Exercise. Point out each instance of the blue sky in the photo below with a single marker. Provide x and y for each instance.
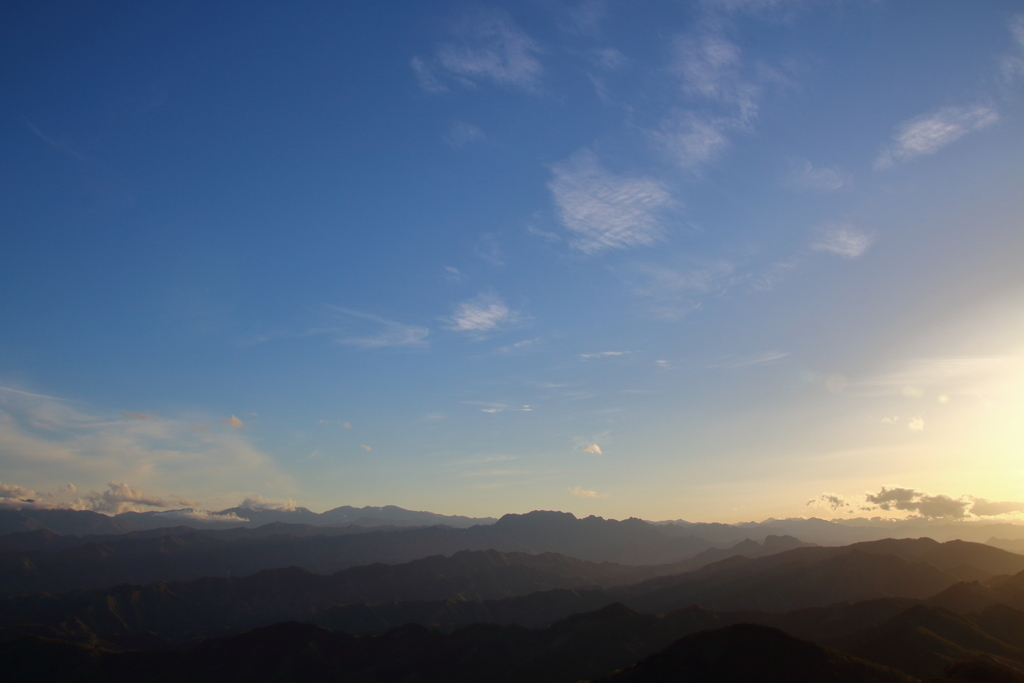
(702, 260)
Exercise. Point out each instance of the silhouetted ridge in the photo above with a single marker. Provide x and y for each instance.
(748, 652)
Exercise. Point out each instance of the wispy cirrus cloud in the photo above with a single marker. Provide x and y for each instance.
(341, 325)
(31, 395)
(689, 139)
(709, 67)
(1012, 63)
(806, 177)
(753, 359)
(928, 133)
(607, 211)
(677, 291)
(936, 377)
(610, 58)
(603, 354)
(750, 6)
(387, 332)
(482, 315)
(486, 45)
(493, 408)
(56, 144)
(462, 135)
(581, 492)
(583, 17)
(843, 239)
(523, 346)
(720, 94)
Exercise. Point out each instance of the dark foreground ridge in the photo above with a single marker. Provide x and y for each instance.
(580, 648)
(614, 644)
(747, 652)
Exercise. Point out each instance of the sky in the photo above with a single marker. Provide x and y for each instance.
(718, 260)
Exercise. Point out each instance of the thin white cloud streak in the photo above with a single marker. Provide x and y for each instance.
(662, 282)
(928, 133)
(392, 334)
(56, 144)
(603, 354)
(675, 292)
(772, 275)
(485, 313)
(493, 408)
(483, 459)
(1012, 63)
(749, 6)
(843, 239)
(969, 375)
(489, 249)
(520, 347)
(259, 503)
(757, 359)
(428, 82)
(607, 211)
(462, 135)
(26, 393)
(584, 19)
(581, 492)
(611, 59)
(494, 473)
(804, 176)
(487, 45)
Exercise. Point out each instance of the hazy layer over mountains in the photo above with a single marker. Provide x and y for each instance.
(542, 596)
(88, 522)
(813, 530)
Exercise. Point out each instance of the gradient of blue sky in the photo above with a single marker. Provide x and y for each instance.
(427, 254)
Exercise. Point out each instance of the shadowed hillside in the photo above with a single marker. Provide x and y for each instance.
(45, 563)
(208, 606)
(746, 652)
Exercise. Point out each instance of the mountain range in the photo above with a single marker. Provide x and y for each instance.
(43, 561)
(814, 530)
(543, 596)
